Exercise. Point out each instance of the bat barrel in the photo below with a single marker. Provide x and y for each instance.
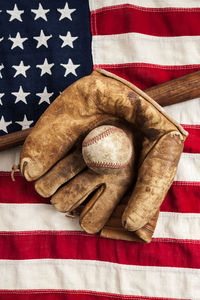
(177, 90)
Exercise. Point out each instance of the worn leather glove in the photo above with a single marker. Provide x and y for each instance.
(112, 188)
(82, 183)
(103, 98)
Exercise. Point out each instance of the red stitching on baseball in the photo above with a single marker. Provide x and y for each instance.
(100, 136)
(108, 165)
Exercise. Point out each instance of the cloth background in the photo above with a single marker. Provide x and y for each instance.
(43, 254)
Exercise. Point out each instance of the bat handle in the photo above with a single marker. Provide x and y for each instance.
(14, 139)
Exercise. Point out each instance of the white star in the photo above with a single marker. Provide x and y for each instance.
(25, 123)
(65, 12)
(45, 68)
(1, 67)
(21, 69)
(4, 124)
(67, 40)
(40, 12)
(17, 41)
(1, 95)
(15, 13)
(1, 39)
(42, 39)
(70, 68)
(44, 96)
(21, 95)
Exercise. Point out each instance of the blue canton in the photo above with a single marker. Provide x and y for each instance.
(45, 46)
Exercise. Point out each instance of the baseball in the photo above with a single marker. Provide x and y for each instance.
(107, 149)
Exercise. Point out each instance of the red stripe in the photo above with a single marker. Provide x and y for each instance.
(147, 75)
(160, 22)
(192, 143)
(182, 197)
(19, 191)
(69, 295)
(77, 245)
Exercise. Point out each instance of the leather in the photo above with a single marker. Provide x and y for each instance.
(114, 229)
(51, 155)
(107, 190)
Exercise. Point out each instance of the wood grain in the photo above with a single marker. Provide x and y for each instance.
(14, 139)
(177, 90)
(174, 91)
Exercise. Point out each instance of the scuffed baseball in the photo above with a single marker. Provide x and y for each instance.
(107, 149)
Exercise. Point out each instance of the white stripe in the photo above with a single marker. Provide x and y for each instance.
(34, 217)
(28, 217)
(188, 168)
(142, 48)
(178, 226)
(100, 276)
(187, 112)
(8, 158)
(97, 4)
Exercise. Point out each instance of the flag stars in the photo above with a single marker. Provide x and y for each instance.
(40, 12)
(17, 41)
(67, 40)
(1, 67)
(15, 14)
(44, 96)
(70, 68)
(21, 69)
(20, 95)
(42, 39)
(25, 123)
(66, 12)
(4, 124)
(1, 95)
(45, 67)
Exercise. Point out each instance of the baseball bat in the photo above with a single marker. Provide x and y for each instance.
(173, 91)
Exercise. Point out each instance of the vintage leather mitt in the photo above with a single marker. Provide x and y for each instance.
(50, 154)
(109, 189)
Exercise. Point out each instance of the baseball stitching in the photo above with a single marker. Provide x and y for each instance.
(107, 165)
(100, 136)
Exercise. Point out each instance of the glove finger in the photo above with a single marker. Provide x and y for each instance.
(114, 229)
(71, 195)
(102, 191)
(37, 157)
(100, 207)
(146, 232)
(98, 210)
(59, 174)
(154, 179)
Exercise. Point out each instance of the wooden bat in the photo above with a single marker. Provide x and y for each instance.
(174, 91)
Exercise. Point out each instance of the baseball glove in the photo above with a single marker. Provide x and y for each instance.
(50, 152)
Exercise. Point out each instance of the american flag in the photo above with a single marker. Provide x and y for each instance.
(45, 46)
